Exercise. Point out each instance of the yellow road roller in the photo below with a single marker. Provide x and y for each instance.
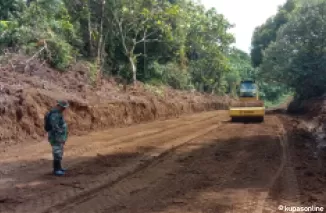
(248, 106)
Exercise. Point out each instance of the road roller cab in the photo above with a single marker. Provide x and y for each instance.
(248, 105)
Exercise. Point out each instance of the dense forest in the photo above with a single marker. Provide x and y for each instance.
(289, 49)
(177, 43)
(172, 42)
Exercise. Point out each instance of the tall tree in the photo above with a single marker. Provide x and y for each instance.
(297, 57)
(175, 42)
(265, 34)
(138, 22)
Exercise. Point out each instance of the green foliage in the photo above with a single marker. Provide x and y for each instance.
(60, 54)
(240, 69)
(191, 41)
(297, 57)
(10, 9)
(272, 92)
(288, 51)
(203, 43)
(176, 43)
(265, 34)
(170, 74)
(45, 22)
(280, 100)
(92, 72)
(158, 90)
(7, 29)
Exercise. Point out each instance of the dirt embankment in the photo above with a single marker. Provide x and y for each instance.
(311, 118)
(308, 158)
(28, 91)
(306, 128)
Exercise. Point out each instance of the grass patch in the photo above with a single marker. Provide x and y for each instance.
(155, 89)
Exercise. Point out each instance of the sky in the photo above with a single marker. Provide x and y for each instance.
(246, 15)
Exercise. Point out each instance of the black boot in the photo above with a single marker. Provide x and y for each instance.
(56, 168)
(55, 165)
(62, 169)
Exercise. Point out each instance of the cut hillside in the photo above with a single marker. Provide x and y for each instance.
(309, 121)
(29, 89)
(312, 110)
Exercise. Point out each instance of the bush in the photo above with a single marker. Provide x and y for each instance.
(43, 32)
(171, 74)
(155, 82)
(61, 54)
(156, 90)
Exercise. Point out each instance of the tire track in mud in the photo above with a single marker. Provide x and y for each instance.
(166, 139)
(264, 195)
(140, 136)
(112, 133)
(159, 157)
(135, 191)
(173, 173)
(254, 199)
(284, 174)
(112, 139)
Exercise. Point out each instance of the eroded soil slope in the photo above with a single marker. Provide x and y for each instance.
(28, 90)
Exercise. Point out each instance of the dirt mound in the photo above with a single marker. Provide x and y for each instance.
(28, 89)
(313, 113)
(311, 107)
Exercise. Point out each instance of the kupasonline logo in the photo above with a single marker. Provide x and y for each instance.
(300, 209)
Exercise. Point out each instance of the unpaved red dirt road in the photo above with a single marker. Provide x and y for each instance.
(200, 163)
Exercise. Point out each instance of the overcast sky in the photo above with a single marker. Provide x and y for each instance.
(246, 15)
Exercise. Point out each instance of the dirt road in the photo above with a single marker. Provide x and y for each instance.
(198, 164)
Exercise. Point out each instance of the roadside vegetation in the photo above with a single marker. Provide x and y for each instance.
(174, 43)
(289, 50)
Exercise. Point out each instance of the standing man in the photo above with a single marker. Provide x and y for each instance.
(57, 130)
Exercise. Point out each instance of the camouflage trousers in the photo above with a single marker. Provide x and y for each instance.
(57, 151)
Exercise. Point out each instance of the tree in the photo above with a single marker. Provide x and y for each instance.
(9, 9)
(240, 69)
(207, 42)
(138, 22)
(297, 57)
(265, 34)
(51, 28)
(175, 42)
(28, 2)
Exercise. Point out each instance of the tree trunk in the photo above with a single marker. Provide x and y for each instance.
(214, 87)
(145, 68)
(201, 87)
(99, 45)
(125, 85)
(100, 40)
(90, 46)
(133, 69)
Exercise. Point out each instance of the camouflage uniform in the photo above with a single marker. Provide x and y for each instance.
(58, 134)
